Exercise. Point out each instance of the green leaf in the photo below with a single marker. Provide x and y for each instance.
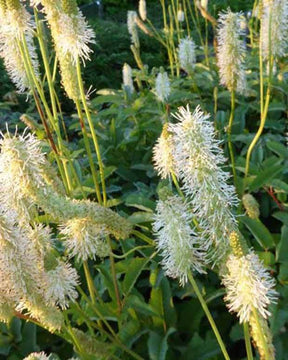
(278, 148)
(267, 257)
(158, 346)
(282, 247)
(259, 231)
(279, 185)
(282, 216)
(136, 265)
(140, 201)
(202, 349)
(265, 176)
(139, 217)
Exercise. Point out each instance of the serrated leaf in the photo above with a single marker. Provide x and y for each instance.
(259, 231)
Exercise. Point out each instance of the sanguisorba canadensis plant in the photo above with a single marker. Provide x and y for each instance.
(198, 226)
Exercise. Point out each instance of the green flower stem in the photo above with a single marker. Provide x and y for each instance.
(54, 99)
(114, 340)
(88, 150)
(175, 13)
(197, 25)
(156, 34)
(93, 133)
(71, 333)
(131, 251)
(247, 341)
(229, 131)
(143, 237)
(98, 313)
(90, 282)
(28, 68)
(208, 314)
(114, 277)
(263, 107)
(186, 17)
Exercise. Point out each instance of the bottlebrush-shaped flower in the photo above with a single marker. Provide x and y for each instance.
(163, 154)
(249, 286)
(127, 79)
(162, 86)
(231, 51)
(16, 35)
(178, 243)
(198, 161)
(274, 28)
(186, 54)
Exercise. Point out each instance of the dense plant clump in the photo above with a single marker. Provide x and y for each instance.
(126, 220)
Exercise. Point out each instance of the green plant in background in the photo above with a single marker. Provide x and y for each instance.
(112, 299)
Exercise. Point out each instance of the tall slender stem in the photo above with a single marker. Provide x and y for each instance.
(229, 131)
(93, 133)
(88, 150)
(90, 282)
(247, 341)
(209, 316)
(114, 277)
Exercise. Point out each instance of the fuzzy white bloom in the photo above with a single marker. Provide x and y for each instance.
(61, 283)
(186, 54)
(85, 239)
(231, 51)
(274, 28)
(22, 272)
(15, 26)
(178, 243)
(132, 27)
(127, 78)
(162, 86)
(74, 36)
(180, 15)
(37, 356)
(198, 159)
(142, 9)
(162, 154)
(249, 286)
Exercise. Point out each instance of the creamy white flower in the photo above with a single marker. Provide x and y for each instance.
(60, 285)
(249, 286)
(186, 54)
(37, 356)
(231, 51)
(180, 246)
(132, 27)
(162, 86)
(16, 31)
(74, 36)
(198, 159)
(85, 239)
(274, 28)
(127, 78)
(142, 9)
(162, 154)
